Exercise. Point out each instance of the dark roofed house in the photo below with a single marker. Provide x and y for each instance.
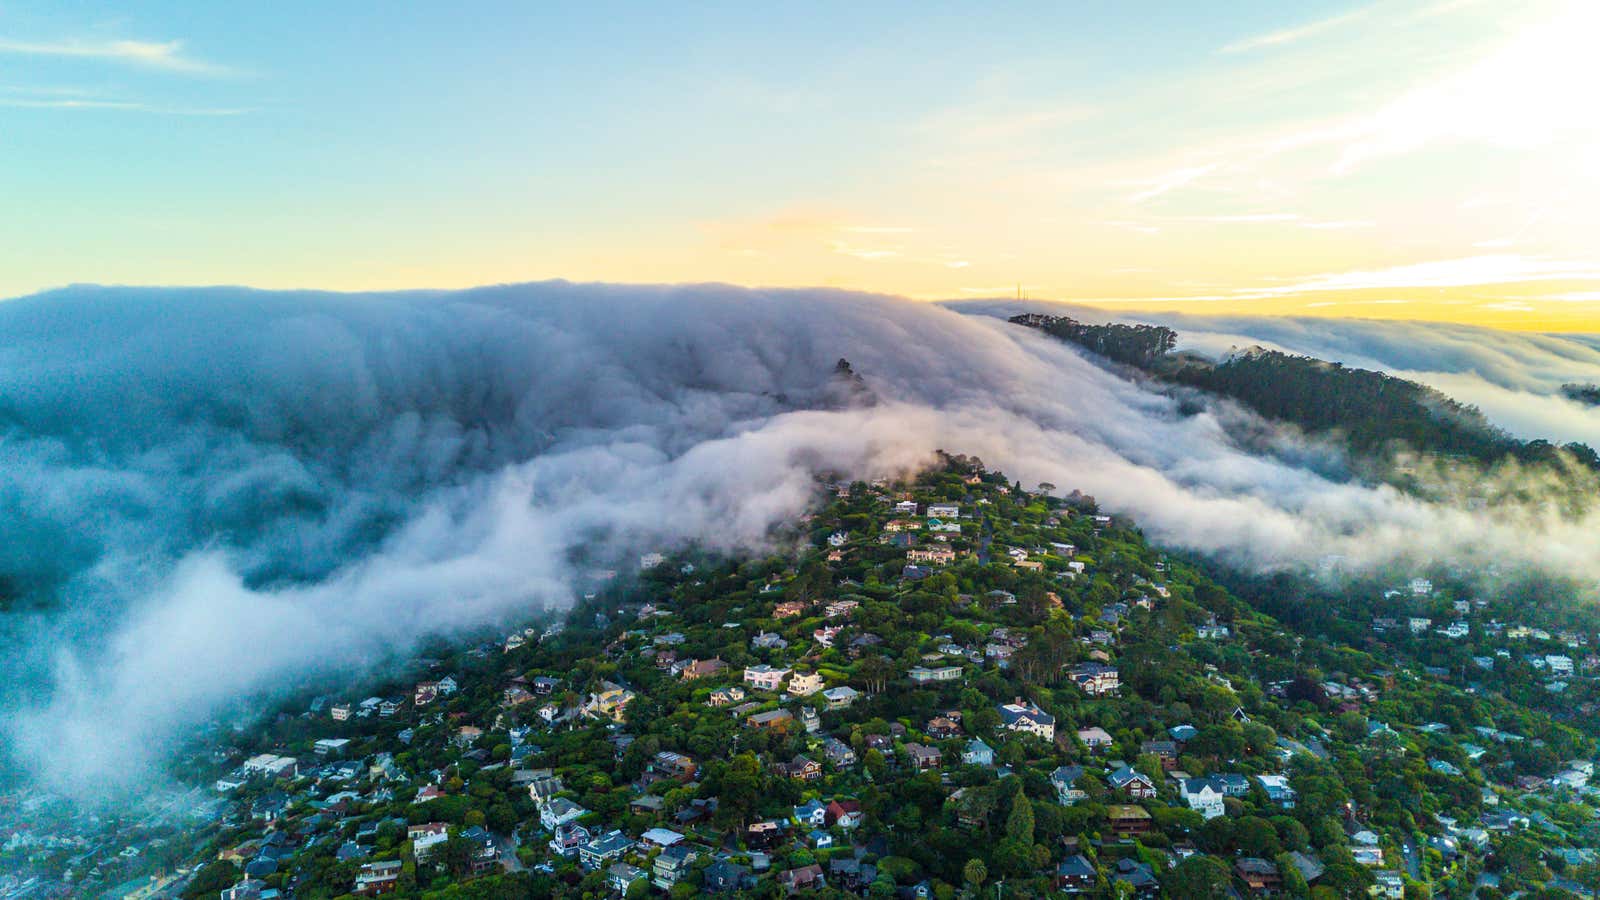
(801, 768)
(1132, 782)
(804, 878)
(723, 877)
(924, 757)
(845, 873)
(1075, 875)
(774, 720)
(1260, 875)
(1139, 876)
(1166, 751)
(1128, 820)
(603, 850)
(621, 876)
(838, 753)
(1310, 867)
(671, 865)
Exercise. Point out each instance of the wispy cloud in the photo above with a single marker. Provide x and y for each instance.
(1296, 33)
(45, 97)
(1245, 218)
(1465, 272)
(1570, 297)
(118, 106)
(1171, 181)
(164, 55)
(1337, 224)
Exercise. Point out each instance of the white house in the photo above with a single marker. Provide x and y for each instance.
(1201, 796)
(922, 675)
(1025, 717)
(804, 684)
(841, 697)
(559, 812)
(1278, 789)
(764, 677)
(1095, 738)
(1096, 679)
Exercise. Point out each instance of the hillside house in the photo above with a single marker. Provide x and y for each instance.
(841, 697)
(1025, 717)
(764, 677)
(923, 757)
(1128, 821)
(726, 696)
(774, 720)
(1202, 796)
(1065, 781)
(921, 675)
(1097, 739)
(703, 668)
(1095, 679)
(977, 753)
(804, 684)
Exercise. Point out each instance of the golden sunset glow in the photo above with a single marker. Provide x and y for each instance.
(1436, 159)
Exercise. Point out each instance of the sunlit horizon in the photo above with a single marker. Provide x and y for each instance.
(1433, 160)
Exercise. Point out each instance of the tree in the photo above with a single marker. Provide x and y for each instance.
(501, 818)
(1019, 824)
(874, 673)
(741, 790)
(1256, 837)
(975, 873)
(1197, 878)
(212, 879)
(1294, 883)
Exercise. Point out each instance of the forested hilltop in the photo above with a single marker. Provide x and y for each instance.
(1374, 414)
(946, 686)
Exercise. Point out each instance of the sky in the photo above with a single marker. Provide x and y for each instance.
(1433, 159)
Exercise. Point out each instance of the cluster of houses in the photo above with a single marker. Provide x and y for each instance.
(790, 686)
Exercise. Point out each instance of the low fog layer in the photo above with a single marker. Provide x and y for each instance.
(224, 491)
(1515, 378)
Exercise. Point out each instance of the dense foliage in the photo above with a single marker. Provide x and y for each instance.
(1375, 414)
(1135, 345)
(902, 770)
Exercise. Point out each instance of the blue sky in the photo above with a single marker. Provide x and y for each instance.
(1158, 153)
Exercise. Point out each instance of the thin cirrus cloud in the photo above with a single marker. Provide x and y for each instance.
(168, 56)
(1291, 35)
(1504, 268)
(135, 106)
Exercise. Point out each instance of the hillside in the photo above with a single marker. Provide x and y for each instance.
(951, 684)
(1377, 416)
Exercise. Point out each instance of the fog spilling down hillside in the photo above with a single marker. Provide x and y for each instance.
(208, 494)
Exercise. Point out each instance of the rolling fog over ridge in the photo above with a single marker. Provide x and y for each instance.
(218, 490)
(1514, 377)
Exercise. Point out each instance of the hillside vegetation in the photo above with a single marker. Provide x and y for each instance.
(1374, 414)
